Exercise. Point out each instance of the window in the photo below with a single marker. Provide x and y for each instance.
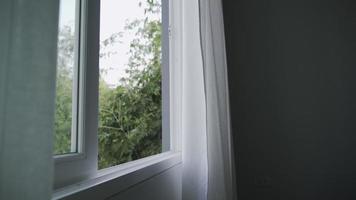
(65, 138)
(113, 85)
(130, 92)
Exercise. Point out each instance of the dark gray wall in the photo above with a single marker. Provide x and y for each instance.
(292, 68)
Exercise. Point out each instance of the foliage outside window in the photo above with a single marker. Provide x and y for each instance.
(130, 115)
(65, 75)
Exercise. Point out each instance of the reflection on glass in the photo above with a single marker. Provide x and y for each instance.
(64, 142)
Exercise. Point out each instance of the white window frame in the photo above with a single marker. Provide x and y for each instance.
(73, 167)
(77, 172)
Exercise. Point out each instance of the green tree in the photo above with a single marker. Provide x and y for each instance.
(130, 115)
(63, 113)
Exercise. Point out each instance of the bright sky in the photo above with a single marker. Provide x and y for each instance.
(67, 13)
(113, 18)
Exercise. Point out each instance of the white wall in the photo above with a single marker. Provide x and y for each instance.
(164, 186)
(158, 181)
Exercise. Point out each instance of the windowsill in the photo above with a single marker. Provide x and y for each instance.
(113, 180)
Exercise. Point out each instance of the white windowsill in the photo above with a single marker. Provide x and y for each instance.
(113, 180)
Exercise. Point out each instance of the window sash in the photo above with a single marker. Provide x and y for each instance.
(82, 165)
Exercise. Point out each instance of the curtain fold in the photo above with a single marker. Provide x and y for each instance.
(208, 165)
(221, 176)
(28, 43)
(194, 181)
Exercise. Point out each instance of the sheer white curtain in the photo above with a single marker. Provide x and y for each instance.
(221, 179)
(28, 40)
(208, 165)
(194, 181)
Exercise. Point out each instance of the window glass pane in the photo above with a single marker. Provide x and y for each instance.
(130, 113)
(65, 114)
